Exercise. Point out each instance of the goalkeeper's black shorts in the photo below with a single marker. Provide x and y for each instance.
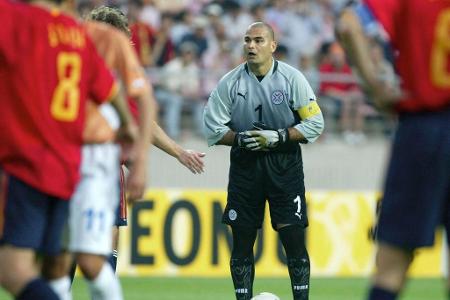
(255, 177)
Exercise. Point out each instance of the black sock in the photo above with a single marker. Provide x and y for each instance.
(293, 240)
(37, 289)
(242, 264)
(112, 260)
(243, 273)
(299, 272)
(377, 293)
(73, 270)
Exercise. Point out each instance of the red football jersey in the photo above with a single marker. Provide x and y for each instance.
(420, 31)
(48, 68)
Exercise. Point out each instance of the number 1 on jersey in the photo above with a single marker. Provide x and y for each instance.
(259, 110)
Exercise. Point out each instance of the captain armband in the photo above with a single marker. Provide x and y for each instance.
(310, 110)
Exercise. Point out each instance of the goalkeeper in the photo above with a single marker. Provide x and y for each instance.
(263, 109)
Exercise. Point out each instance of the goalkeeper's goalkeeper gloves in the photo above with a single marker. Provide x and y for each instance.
(268, 138)
(245, 141)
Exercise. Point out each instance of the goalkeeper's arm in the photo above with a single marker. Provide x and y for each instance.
(306, 131)
(296, 136)
(267, 138)
(228, 138)
(239, 139)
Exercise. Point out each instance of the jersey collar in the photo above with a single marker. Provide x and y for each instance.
(271, 71)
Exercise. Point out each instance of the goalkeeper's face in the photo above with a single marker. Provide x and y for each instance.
(259, 45)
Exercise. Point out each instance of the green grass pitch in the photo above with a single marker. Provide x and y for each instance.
(147, 288)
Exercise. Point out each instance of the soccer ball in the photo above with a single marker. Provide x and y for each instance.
(266, 296)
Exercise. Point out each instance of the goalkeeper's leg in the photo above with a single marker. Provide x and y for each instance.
(242, 263)
(293, 239)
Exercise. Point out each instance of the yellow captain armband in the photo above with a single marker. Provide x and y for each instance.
(310, 110)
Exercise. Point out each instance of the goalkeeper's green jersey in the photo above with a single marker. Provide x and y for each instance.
(282, 99)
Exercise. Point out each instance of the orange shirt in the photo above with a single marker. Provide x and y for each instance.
(119, 55)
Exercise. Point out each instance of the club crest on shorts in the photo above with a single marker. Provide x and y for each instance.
(277, 97)
(232, 214)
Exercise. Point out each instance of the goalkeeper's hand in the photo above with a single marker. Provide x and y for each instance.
(245, 141)
(267, 138)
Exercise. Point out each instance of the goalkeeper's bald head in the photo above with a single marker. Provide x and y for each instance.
(265, 26)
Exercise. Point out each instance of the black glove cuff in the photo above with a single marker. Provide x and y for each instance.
(283, 136)
(236, 140)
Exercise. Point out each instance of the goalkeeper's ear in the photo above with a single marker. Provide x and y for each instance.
(261, 126)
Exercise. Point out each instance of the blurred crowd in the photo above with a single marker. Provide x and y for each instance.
(188, 45)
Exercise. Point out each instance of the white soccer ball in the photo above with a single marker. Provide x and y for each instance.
(266, 296)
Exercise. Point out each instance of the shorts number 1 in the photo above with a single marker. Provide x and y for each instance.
(299, 207)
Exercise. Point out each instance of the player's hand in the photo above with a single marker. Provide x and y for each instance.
(245, 141)
(192, 160)
(264, 139)
(268, 138)
(136, 180)
(387, 96)
(127, 134)
(126, 137)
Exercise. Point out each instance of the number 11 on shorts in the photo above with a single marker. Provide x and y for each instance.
(298, 213)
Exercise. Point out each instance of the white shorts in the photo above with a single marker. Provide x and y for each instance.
(93, 205)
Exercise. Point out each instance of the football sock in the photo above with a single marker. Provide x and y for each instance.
(37, 289)
(73, 270)
(242, 265)
(243, 273)
(61, 287)
(299, 272)
(106, 286)
(293, 240)
(112, 259)
(377, 293)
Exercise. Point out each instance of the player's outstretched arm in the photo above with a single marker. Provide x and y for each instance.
(191, 159)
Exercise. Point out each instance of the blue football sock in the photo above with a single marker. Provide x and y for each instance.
(377, 293)
(37, 289)
(112, 260)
